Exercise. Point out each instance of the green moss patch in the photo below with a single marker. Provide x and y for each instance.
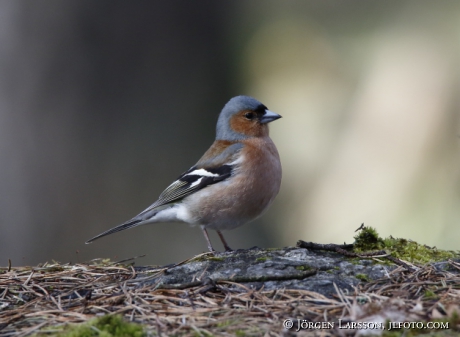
(368, 240)
(105, 326)
(362, 277)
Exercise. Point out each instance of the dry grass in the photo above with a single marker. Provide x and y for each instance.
(50, 296)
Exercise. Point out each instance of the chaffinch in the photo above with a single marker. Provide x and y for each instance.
(234, 182)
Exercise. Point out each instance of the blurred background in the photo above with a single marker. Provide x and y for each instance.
(103, 104)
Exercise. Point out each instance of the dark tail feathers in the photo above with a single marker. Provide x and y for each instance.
(126, 225)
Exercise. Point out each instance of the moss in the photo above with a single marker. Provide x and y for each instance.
(362, 277)
(262, 259)
(206, 257)
(214, 258)
(105, 326)
(271, 249)
(429, 294)
(303, 268)
(408, 250)
(368, 239)
(357, 261)
(414, 252)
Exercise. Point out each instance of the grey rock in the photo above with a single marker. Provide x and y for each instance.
(290, 268)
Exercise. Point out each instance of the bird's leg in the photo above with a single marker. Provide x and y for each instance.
(206, 236)
(226, 246)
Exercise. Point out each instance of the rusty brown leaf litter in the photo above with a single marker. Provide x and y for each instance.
(41, 300)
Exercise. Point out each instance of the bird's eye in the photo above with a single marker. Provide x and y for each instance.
(249, 115)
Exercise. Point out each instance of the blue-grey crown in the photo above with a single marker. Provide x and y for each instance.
(233, 106)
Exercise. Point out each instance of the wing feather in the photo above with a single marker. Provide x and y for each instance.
(190, 182)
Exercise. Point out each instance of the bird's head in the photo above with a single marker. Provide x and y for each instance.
(243, 117)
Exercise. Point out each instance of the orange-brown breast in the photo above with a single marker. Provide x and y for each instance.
(256, 183)
(264, 173)
(245, 195)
